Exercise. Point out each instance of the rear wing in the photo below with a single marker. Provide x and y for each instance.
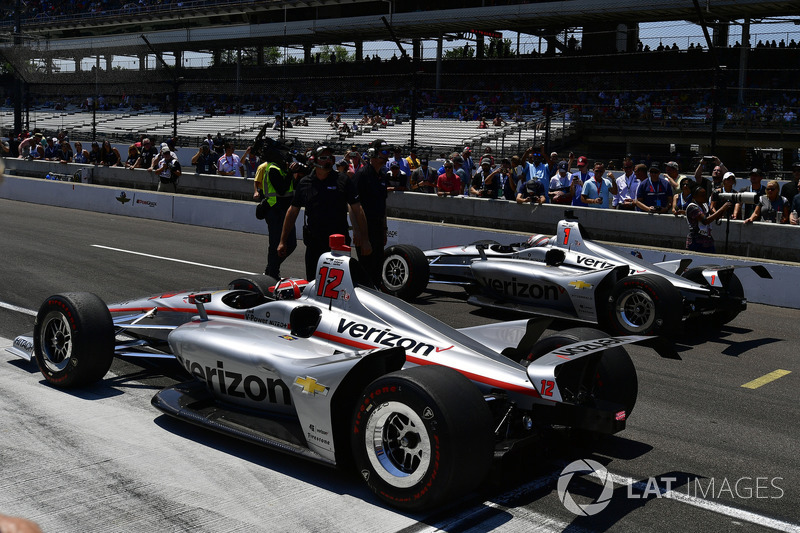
(543, 371)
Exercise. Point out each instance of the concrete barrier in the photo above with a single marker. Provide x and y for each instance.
(189, 182)
(759, 240)
(240, 216)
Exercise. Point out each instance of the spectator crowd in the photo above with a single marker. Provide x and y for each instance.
(534, 177)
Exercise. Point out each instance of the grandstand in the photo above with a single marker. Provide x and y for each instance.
(433, 135)
(604, 95)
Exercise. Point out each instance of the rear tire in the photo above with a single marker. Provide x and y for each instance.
(422, 437)
(615, 377)
(73, 339)
(404, 272)
(644, 304)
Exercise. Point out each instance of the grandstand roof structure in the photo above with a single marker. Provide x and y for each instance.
(208, 25)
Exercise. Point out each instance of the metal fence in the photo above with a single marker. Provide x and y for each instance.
(666, 103)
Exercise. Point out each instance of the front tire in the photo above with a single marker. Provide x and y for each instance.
(404, 272)
(73, 339)
(422, 436)
(644, 305)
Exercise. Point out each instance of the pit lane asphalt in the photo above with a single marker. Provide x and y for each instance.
(102, 459)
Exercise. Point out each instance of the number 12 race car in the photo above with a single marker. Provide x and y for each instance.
(342, 374)
(569, 276)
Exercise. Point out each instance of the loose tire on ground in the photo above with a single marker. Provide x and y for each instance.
(404, 272)
(260, 283)
(73, 339)
(615, 377)
(422, 436)
(734, 288)
(644, 304)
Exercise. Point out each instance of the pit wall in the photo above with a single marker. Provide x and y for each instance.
(240, 216)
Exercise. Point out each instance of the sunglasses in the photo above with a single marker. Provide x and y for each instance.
(772, 188)
(448, 166)
(324, 157)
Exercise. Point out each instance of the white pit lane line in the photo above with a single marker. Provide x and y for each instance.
(173, 259)
(18, 309)
(708, 505)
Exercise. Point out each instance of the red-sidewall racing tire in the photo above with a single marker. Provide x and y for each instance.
(73, 339)
(404, 272)
(422, 436)
(643, 304)
(734, 288)
(615, 379)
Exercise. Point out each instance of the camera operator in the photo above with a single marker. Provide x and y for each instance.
(756, 175)
(536, 165)
(168, 171)
(713, 166)
(700, 218)
(771, 207)
(204, 160)
(728, 181)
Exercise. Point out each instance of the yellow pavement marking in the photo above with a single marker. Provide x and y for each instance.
(763, 380)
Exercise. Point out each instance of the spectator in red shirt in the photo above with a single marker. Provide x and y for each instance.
(448, 184)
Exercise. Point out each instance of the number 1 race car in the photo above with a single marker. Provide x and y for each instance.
(342, 374)
(569, 276)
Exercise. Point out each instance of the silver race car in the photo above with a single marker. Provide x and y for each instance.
(342, 374)
(569, 276)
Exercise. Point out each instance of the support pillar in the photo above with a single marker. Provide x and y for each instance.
(439, 63)
(260, 55)
(109, 61)
(359, 50)
(744, 53)
(307, 53)
(78, 61)
(721, 34)
(416, 49)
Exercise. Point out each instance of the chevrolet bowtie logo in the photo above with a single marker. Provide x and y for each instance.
(581, 284)
(310, 386)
